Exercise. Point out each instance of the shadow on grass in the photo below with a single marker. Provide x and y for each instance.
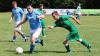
(36, 51)
(5, 41)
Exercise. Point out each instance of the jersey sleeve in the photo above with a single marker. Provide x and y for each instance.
(12, 12)
(21, 11)
(37, 12)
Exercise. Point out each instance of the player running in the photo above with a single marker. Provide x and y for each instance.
(78, 12)
(63, 21)
(33, 18)
(17, 14)
(42, 20)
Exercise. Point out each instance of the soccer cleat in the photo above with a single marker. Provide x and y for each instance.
(89, 47)
(30, 52)
(41, 42)
(68, 51)
(13, 41)
(25, 40)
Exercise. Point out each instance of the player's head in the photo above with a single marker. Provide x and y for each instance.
(30, 8)
(55, 15)
(14, 4)
(79, 4)
(41, 6)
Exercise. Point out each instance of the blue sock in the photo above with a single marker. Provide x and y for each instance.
(14, 38)
(38, 40)
(32, 46)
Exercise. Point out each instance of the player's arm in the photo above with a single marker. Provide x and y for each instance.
(22, 22)
(22, 13)
(74, 18)
(41, 16)
(11, 18)
(51, 27)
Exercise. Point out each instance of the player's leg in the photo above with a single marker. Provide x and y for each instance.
(78, 16)
(43, 27)
(83, 42)
(18, 29)
(14, 36)
(34, 36)
(66, 45)
(32, 45)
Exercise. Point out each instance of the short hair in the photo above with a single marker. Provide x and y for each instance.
(40, 5)
(14, 2)
(55, 12)
(29, 5)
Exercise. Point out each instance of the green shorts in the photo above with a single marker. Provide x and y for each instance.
(43, 23)
(73, 36)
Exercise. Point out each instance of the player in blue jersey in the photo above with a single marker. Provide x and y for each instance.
(33, 18)
(78, 12)
(17, 14)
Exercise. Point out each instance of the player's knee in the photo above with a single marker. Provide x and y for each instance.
(65, 41)
(33, 39)
(80, 40)
(16, 29)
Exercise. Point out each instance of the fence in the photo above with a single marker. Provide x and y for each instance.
(84, 12)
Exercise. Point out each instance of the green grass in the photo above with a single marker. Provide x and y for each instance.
(89, 30)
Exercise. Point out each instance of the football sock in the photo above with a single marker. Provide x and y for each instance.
(14, 38)
(43, 32)
(23, 35)
(32, 46)
(38, 40)
(67, 48)
(85, 43)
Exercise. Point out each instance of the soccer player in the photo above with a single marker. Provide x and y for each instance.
(33, 18)
(68, 12)
(78, 12)
(17, 14)
(64, 22)
(42, 20)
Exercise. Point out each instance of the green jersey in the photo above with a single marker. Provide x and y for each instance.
(42, 20)
(41, 11)
(65, 23)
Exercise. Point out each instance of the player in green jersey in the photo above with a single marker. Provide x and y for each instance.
(42, 20)
(64, 22)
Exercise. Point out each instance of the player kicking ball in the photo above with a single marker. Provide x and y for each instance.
(33, 17)
(63, 21)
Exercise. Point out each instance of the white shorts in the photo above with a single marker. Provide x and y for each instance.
(35, 33)
(16, 23)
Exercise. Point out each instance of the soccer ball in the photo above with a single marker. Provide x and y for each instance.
(19, 50)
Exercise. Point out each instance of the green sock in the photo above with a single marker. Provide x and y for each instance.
(85, 43)
(43, 32)
(67, 48)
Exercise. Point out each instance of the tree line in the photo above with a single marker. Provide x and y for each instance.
(5, 5)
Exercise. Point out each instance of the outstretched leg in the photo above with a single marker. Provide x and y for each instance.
(85, 43)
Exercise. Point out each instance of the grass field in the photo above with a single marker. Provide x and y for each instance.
(89, 30)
